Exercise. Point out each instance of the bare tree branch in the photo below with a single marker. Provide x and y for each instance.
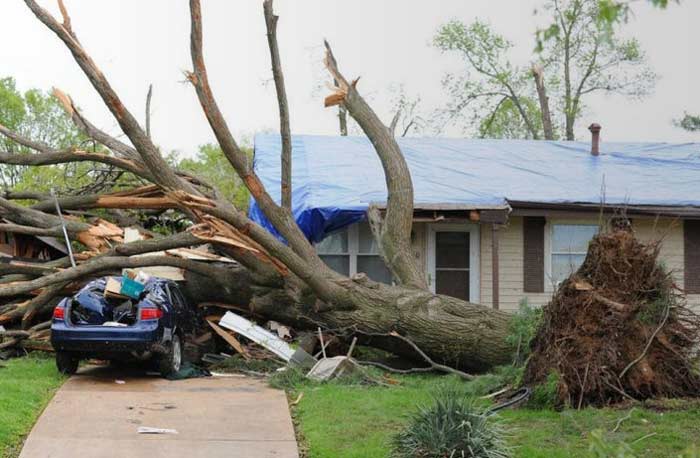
(286, 178)
(148, 110)
(538, 74)
(162, 173)
(396, 231)
(304, 261)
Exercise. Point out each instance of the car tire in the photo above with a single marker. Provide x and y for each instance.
(66, 363)
(171, 361)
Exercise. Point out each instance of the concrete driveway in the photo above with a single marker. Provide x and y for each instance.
(93, 416)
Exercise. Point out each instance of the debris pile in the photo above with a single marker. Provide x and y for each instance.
(617, 329)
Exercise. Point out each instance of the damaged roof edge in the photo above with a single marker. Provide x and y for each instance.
(524, 207)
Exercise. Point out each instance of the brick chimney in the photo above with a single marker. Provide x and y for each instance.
(595, 138)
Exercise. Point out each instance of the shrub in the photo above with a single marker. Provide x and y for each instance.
(288, 379)
(545, 395)
(522, 329)
(453, 426)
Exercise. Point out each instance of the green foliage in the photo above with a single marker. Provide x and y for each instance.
(611, 12)
(544, 396)
(489, 94)
(523, 328)
(506, 121)
(579, 56)
(689, 122)
(288, 380)
(490, 382)
(237, 363)
(40, 117)
(452, 426)
(211, 165)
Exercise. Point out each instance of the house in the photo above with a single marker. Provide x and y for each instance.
(495, 221)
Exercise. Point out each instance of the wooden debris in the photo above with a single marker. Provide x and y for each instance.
(230, 339)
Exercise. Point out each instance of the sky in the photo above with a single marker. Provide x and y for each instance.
(386, 42)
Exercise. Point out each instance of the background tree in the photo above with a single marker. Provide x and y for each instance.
(210, 164)
(613, 11)
(39, 115)
(490, 80)
(590, 58)
(577, 54)
(689, 122)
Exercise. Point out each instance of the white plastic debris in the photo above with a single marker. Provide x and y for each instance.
(257, 334)
(119, 382)
(149, 430)
(329, 368)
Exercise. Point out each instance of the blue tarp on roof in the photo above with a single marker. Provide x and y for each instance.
(334, 179)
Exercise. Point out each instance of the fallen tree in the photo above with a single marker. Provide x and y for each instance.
(287, 282)
(617, 329)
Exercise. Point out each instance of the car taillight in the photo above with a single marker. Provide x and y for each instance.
(59, 313)
(150, 314)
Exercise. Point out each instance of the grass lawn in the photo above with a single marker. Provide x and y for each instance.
(340, 421)
(26, 386)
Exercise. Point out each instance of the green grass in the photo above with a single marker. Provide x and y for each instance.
(26, 386)
(358, 421)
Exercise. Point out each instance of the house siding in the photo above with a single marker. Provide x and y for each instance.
(510, 268)
(511, 254)
(511, 259)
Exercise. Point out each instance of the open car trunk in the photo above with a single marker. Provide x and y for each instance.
(93, 307)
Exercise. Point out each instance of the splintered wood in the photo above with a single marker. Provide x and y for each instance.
(102, 236)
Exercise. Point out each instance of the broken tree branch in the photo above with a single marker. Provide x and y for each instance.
(162, 173)
(396, 234)
(433, 365)
(285, 132)
(649, 342)
(538, 74)
(148, 110)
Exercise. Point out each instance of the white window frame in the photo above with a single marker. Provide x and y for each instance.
(474, 255)
(353, 248)
(549, 286)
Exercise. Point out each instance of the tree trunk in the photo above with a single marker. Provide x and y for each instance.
(538, 74)
(457, 333)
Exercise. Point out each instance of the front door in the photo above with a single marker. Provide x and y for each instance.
(453, 267)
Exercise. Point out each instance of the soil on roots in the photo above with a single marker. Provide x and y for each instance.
(617, 329)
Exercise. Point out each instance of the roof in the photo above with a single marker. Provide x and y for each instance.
(336, 178)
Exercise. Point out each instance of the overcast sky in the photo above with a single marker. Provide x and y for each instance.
(137, 42)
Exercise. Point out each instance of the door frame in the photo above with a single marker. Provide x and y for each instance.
(474, 255)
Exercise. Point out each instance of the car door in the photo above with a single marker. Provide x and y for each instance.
(184, 313)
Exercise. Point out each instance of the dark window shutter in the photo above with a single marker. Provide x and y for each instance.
(691, 255)
(533, 254)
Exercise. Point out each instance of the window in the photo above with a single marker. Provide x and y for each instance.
(335, 252)
(354, 250)
(569, 244)
(369, 260)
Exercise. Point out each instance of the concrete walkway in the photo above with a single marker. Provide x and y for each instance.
(93, 416)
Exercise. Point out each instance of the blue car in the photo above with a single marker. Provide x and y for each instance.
(92, 324)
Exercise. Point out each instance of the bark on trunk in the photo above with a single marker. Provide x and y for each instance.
(457, 333)
(538, 74)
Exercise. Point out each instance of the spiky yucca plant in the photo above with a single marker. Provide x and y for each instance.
(451, 427)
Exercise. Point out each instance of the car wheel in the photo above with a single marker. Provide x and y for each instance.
(67, 363)
(171, 361)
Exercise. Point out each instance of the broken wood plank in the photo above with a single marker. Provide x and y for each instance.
(229, 339)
